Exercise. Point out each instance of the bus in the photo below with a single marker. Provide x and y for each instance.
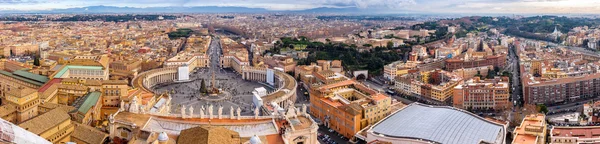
(390, 92)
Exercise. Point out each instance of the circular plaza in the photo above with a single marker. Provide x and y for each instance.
(232, 90)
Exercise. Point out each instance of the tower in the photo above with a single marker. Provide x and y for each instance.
(212, 81)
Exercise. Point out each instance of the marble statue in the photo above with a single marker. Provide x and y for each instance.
(220, 111)
(238, 113)
(182, 111)
(256, 112)
(122, 106)
(142, 109)
(133, 105)
(202, 112)
(210, 111)
(304, 108)
(191, 111)
(231, 112)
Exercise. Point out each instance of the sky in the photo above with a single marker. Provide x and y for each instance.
(431, 6)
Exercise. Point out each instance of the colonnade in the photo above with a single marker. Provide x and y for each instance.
(254, 76)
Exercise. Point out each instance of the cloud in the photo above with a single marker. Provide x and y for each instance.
(373, 3)
(437, 6)
(17, 1)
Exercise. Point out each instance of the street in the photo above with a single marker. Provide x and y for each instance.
(514, 69)
(404, 98)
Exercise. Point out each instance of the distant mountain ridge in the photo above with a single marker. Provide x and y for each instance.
(197, 9)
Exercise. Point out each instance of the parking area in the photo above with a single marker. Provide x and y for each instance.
(327, 136)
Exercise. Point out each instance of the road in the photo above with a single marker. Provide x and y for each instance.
(215, 54)
(514, 68)
(375, 85)
(301, 98)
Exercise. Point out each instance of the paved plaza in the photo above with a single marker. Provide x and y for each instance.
(239, 91)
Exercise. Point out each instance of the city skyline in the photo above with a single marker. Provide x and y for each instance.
(374, 6)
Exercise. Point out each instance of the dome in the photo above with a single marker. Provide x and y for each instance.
(255, 140)
(163, 136)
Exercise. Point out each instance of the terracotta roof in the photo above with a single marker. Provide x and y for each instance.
(378, 97)
(93, 82)
(73, 87)
(49, 105)
(337, 84)
(89, 134)
(47, 120)
(115, 82)
(331, 103)
(352, 108)
(138, 119)
(50, 83)
(208, 135)
(274, 139)
(7, 109)
(580, 132)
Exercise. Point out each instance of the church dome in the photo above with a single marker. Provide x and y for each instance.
(163, 136)
(255, 140)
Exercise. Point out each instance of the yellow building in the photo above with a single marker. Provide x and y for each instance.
(536, 67)
(425, 76)
(531, 131)
(25, 101)
(443, 92)
(54, 125)
(113, 91)
(68, 93)
(553, 73)
(347, 106)
(18, 79)
(398, 68)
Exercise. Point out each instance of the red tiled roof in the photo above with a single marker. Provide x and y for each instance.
(50, 83)
(581, 132)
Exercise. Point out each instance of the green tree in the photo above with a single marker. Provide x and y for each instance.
(390, 45)
(36, 61)
(367, 45)
(505, 73)
(203, 87)
(478, 74)
(542, 108)
(491, 74)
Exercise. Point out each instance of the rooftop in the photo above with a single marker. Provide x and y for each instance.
(521, 136)
(46, 121)
(32, 76)
(87, 102)
(7, 109)
(20, 77)
(439, 124)
(208, 135)
(89, 134)
(580, 132)
(60, 73)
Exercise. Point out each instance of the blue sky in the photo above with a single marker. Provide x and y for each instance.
(441, 6)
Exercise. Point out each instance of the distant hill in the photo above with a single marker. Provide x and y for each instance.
(199, 9)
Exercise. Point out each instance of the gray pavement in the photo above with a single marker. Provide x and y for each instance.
(237, 92)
